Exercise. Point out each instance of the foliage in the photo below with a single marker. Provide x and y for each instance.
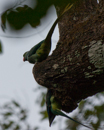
(13, 116)
(21, 14)
(42, 102)
(0, 46)
(90, 112)
(18, 17)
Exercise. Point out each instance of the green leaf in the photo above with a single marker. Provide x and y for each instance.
(17, 127)
(6, 126)
(23, 117)
(23, 111)
(8, 114)
(3, 21)
(15, 103)
(81, 104)
(44, 114)
(43, 101)
(36, 128)
(0, 46)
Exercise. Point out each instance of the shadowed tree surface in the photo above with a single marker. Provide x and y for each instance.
(75, 69)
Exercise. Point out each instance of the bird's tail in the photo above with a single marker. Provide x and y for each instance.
(66, 9)
(49, 35)
(62, 114)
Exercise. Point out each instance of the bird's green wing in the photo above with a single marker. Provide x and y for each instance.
(35, 48)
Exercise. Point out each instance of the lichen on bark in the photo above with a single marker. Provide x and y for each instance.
(75, 70)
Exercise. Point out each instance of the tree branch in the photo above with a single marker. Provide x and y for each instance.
(75, 70)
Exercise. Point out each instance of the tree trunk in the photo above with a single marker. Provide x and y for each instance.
(75, 70)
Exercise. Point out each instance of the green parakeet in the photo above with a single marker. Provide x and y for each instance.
(54, 109)
(41, 50)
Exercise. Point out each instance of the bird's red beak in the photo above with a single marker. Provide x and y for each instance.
(23, 59)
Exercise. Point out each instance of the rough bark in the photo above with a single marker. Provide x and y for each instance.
(75, 70)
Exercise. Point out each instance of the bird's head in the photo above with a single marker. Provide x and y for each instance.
(25, 55)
